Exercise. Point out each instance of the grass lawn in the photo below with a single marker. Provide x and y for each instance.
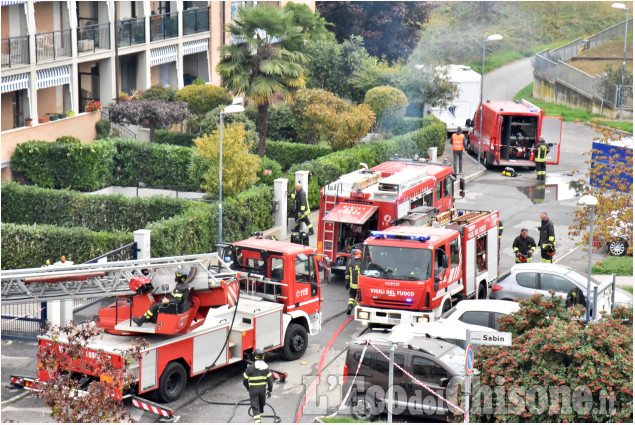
(628, 289)
(621, 266)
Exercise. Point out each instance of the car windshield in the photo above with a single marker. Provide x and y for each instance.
(455, 359)
(580, 278)
(393, 262)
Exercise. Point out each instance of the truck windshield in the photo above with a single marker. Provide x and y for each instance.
(392, 262)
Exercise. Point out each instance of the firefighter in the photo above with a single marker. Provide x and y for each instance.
(541, 151)
(301, 209)
(547, 239)
(458, 144)
(259, 382)
(524, 247)
(177, 297)
(500, 235)
(352, 277)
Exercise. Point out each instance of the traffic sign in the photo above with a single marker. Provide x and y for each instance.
(490, 338)
(469, 360)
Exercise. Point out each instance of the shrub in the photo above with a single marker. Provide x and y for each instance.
(158, 114)
(203, 98)
(103, 128)
(272, 168)
(281, 123)
(168, 137)
(209, 124)
(407, 125)
(68, 139)
(85, 167)
(199, 81)
(389, 105)
(287, 154)
(158, 92)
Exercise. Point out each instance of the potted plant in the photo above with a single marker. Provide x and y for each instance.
(52, 116)
(28, 122)
(43, 119)
(70, 113)
(61, 116)
(124, 96)
(94, 105)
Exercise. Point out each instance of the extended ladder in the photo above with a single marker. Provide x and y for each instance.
(87, 280)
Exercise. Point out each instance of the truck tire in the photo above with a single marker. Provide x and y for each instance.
(482, 292)
(296, 341)
(172, 382)
(487, 161)
(447, 304)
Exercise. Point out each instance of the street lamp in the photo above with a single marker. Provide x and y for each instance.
(621, 6)
(590, 201)
(230, 109)
(492, 37)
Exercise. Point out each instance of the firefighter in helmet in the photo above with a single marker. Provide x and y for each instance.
(547, 239)
(352, 277)
(259, 382)
(177, 297)
(540, 158)
(302, 209)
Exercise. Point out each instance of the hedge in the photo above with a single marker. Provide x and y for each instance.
(168, 137)
(287, 154)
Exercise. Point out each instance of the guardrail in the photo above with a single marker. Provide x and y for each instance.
(52, 45)
(131, 32)
(164, 26)
(195, 20)
(15, 51)
(93, 37)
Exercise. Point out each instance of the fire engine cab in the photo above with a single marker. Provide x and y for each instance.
(510, 130)
(413, 274)
(377, 198)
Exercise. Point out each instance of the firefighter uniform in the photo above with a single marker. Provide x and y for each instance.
(547, 240)
(259, 382)
(301, 210)
(522, 245)
(541, 158)
(177, 297)
(458, 144)
(352, 277)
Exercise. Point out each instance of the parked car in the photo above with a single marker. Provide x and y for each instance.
(480, 312)
(525, 280)
(447, 329)
(433, 361)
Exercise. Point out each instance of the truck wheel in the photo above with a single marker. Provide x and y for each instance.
(172, 382)
(295, 342)
(482, 292)
(487, 162)
(618, 247)
(447, 304)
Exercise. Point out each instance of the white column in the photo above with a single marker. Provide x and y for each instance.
(280, 190)
(302, 177)
(29, 10)
(142, 238)
(59, 312)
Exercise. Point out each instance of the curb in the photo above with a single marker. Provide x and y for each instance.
(615, 130)
(14, 399)
(479, 173)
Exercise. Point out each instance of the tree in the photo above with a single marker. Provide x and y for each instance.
(429, 84)
(157, 113)
(557, 369)
(611, 181)
(388, 104)
(211, 122)
(390, 29)
(100, 404)
(261, 61)
(611, 83)
(240, 168)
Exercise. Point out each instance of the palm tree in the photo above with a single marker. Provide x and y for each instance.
(260, 61)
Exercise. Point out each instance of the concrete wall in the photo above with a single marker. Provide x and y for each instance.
(562, 94)
(81, 126)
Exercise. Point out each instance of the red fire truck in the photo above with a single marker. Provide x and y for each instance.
(413, 274)
(377, 198)
(264, 294)
(510, 130)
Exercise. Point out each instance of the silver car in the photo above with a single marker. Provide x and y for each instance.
(525, 280)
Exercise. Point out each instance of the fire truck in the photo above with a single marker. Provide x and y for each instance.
(375, 199)
(510, 130)
(413, 274)
(257, 293)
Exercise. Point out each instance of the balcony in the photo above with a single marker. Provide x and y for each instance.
(164, 26)
(131, 32)
(91, 38)
(195, 20)
(52, 45)
(15, 51)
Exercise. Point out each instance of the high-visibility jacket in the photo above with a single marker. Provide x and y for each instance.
(523, 245)
(301, 204)
(352, 271)
(457, 141)
(258, 377)
(541, 152)
(547, 234)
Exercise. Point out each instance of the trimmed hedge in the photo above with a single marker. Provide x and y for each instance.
(58, 165)
(168, 137)
(287, 154)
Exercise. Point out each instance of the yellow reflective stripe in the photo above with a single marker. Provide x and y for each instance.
(245, 376)
(551, 238)
(259, 378)
(515, 249)
(269, 375)
(257, 383)
(177, 295)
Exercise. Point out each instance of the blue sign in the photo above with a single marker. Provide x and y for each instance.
(469, 360)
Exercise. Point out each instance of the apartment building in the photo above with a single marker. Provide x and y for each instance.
(57, 56)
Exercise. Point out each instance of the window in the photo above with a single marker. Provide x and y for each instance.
(381, 364)
(496, 317)
(368, 358)
(439, 254)
(305, 270)
(526, 280)
(277, 268)
(480, 318)
(448, 187)
(427, 199)
(454, 253)
(555, 283)
(428, 370)
(439, 191)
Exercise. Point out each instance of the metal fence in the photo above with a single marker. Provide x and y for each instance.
(195, 20)
(52, 45)
(131, 32)
(93, 37)
(15, 51)
(164, 26)
(118, 130)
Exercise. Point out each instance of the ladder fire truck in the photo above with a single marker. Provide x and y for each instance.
(377, 198)
(257, 293)
(413, 274)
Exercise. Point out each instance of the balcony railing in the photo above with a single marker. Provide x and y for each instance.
(93, 37)
(52, 45)
(164, 26)
(15, 51)
(131, 32)
(195, 20)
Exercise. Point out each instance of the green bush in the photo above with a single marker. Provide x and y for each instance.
(389, 105)
(199, 82)
(85, 167)
(68, 139)
(281, 123)
(203, 98)
(287, 154)
(407, 125)
(25, 246)
(168, 137)
(273, 167)
(209, 124)
(158, 92)
(103, 128)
